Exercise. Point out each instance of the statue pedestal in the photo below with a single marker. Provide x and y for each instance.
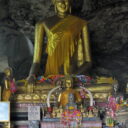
(100, 92)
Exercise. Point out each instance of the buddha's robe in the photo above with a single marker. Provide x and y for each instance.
(65, 47)
(64, 97)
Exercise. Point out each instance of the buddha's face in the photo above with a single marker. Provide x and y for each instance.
(68, 83)
(62, 6)
(8, 72)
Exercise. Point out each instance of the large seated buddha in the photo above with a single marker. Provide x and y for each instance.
(68, 52)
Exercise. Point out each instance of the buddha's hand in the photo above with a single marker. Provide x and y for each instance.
(31, 79)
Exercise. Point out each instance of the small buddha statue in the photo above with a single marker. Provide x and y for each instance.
(59, 112)
(68, 50)
(9, 85)
(95, 112)
(82, 110)
(54, 114)
(61, 109)
(90, 114)
(63, 97)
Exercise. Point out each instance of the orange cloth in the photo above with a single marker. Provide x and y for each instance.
(64, 45)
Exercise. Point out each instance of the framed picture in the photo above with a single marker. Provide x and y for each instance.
(4, 111)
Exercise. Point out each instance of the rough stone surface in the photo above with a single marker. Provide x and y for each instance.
(108, 26)
(109, 36)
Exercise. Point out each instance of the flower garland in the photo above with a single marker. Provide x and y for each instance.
(13, 88)
(71, 118)
(112, 104)
(79, 80)
(51, 79)
(83, 79)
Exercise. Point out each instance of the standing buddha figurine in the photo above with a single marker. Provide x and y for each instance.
(9, 85)
(67, 48)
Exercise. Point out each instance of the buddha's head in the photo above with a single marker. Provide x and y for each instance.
(62, 7)
(8, 72)
(68, 82)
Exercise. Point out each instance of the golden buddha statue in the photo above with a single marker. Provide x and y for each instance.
(54, 113)
(9, 85)
(67, 48)
(68, 52)
(63, 97)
